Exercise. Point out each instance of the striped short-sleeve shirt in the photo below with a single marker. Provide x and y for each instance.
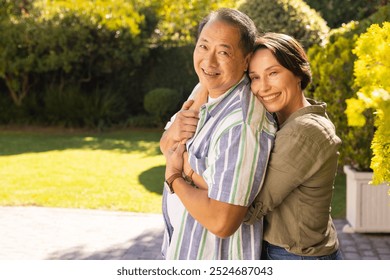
(230, 149)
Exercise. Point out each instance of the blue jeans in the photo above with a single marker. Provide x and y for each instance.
(272, 252)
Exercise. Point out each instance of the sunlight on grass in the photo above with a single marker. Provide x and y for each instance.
(116, 172)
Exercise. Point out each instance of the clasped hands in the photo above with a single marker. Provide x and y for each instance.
(182, 129)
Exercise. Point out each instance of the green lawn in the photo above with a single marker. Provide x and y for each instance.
(339, 197)
(121, 170)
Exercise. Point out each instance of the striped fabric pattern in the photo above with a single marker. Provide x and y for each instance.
(230, 150)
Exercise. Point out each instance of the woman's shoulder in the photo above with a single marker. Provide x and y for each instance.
(313, 127)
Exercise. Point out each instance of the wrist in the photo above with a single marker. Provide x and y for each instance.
(169, 181)
(188, 177)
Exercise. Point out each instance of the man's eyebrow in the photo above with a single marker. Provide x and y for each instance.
(226, 46)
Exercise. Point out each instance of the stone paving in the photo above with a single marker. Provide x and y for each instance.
(35, 233)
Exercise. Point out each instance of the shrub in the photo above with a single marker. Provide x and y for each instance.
(293, 17)
(162, 103)
(179, 19)
(142, 121)
(371, 71)
(337, 12)
(77, 42)
(170, 68)
(332, 68)
(72, 107)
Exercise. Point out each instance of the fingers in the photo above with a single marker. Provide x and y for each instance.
(187, 118)
(187, 105)
(190, 114)
(181, 148)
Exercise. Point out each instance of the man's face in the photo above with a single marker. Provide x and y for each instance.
(218, 59)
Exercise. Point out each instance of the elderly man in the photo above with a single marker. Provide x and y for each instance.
(230, 135)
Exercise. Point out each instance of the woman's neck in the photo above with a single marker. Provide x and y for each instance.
(284, 115)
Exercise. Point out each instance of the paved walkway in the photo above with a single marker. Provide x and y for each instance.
(35, 233)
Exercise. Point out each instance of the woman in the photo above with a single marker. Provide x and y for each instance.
(296, 196)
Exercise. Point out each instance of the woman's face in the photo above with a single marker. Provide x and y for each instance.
(218, 58)
(274, 85)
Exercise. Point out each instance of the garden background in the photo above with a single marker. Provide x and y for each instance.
(86, 87)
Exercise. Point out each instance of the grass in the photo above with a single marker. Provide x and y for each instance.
(121, 170)
(339, 197)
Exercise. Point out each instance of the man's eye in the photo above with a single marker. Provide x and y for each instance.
(223, 53)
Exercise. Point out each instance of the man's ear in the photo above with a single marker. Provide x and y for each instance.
(247, 59)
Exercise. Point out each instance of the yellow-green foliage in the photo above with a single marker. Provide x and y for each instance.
(179, 19)
(293, 17)
(332, 68)
(371, 71)
(113, 14)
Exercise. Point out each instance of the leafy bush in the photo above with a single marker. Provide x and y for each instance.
(142, 121)
(74, 43)
(162, 103)
(337, 12)
(170, 68)
(293, 17)
(332, 68)
(371, 70)
(72, 107)
(179, 19)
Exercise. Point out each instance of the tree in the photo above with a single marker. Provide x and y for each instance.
(337, 12)
(293, 17)
(179, 19)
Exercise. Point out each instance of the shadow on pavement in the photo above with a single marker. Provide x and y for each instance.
(143, 247)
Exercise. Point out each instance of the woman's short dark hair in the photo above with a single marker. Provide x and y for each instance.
(288, 52)
(237, 19)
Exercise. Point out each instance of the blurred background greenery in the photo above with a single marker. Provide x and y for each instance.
(106, 65)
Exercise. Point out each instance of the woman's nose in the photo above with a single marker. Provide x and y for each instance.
(264, 85)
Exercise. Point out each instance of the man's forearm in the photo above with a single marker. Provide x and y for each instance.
(221, 218)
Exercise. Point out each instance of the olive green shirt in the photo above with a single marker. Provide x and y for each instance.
(296, 196)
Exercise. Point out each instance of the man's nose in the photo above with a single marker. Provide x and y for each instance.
(212, 58)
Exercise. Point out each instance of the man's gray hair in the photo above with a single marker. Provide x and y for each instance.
(237, 19)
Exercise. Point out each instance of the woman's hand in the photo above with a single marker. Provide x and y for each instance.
(182, 128)
(174, 160)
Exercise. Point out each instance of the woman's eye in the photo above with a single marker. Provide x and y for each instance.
(273, 73)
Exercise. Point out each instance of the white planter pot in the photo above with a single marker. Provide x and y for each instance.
(368, 206)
